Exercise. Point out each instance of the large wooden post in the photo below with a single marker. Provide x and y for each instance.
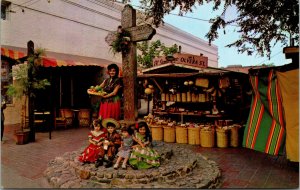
(129, 68)
(129, 60)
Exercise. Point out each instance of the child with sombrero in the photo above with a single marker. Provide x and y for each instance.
(113, 140)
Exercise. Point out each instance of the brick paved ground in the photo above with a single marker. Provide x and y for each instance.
(23, 165)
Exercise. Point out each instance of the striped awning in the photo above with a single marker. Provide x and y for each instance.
(12, 53)
(52, 62)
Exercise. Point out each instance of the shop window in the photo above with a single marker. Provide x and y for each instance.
(6, 79)
(4, 9)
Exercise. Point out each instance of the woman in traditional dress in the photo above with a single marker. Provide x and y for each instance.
(110, 106)
(94, 153)
(143, 156)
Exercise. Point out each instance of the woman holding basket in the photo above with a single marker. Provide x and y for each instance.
(110, 106)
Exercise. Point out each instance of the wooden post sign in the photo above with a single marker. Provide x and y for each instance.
(185, 59)
(129, 62)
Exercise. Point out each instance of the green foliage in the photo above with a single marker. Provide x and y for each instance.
(261, 24)
(268, 64)
(96, 107)
(22, 86)
(169, 50)
(121, 43)
(149, 52)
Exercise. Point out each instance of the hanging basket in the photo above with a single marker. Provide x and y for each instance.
(169, 134)
(157, 132)
(207, 138)
(194, 135)
(222, 138)
(181, 135)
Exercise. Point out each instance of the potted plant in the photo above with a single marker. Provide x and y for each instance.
(22, 88)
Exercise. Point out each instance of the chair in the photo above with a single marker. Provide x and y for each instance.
(84, 117)
(60, 121)
(68, 115)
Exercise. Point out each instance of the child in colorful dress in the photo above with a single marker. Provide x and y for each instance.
(94, 153)
(113, 141)
(143, 156)
(125, 149)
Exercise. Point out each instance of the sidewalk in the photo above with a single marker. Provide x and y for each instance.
(26, 163)
(22, 166)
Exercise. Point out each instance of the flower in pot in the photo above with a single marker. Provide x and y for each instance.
(22, 88)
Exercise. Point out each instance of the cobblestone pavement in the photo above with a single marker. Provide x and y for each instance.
(22, 166)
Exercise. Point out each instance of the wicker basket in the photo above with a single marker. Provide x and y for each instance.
(194, 135)
(89, 91)
(169, 134)
(163, 97)
(178, 97)
(157, 132)
(171, 98)
(167, 97)
(188, 96)
(194, 97)
(181, 135)
(207, 138)
(174, 97)
(222, 138)
(183, 97)
(234, 136)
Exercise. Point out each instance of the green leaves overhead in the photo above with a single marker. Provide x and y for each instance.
(21, 85)
(152, 50)
(261, 24)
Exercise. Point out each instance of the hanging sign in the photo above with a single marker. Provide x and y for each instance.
(184, 59)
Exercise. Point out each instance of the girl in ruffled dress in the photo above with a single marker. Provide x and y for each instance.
(94, 153)
(143, 156)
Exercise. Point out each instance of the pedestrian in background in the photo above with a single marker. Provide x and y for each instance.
(3, 106)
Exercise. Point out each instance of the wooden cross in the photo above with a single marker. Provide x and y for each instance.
(129, 62)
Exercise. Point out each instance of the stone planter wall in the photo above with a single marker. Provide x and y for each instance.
(180, 167)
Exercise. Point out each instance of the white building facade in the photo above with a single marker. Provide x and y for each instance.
(76, 29)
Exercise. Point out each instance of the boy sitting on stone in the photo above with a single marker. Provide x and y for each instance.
(112, 142)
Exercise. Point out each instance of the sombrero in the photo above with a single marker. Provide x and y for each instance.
(110, 120)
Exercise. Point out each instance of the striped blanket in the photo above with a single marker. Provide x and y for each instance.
(264, 130)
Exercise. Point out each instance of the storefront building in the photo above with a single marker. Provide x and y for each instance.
(74, 31)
